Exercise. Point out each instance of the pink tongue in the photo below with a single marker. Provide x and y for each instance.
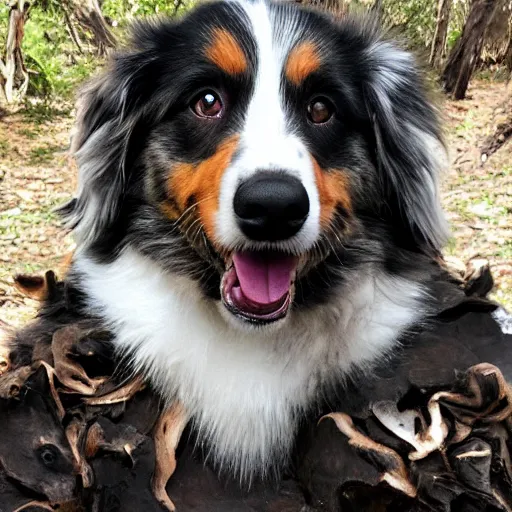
(264, 277)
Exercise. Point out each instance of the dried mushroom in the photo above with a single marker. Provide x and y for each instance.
(389, 464)
(123, 461)
(122, 393)
(70, 373)
(456, 454)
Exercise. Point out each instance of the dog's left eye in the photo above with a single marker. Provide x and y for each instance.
(208, 104)
(320, 110)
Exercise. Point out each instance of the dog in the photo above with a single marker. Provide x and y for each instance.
(257, 214)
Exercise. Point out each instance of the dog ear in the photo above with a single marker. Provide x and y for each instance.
(410, 152)
(99, 144)
(108, 112)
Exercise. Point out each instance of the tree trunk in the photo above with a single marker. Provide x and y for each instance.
(507, 58)
(89, 17)
(466, 53)
(71, 28)
(14, 75)
(437, 52)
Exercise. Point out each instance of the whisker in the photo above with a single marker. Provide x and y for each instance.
(198, 232)
(192, 226)
(192, 206)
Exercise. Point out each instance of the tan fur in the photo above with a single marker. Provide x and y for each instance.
(302, 61)
(226, 53)
(199, 184)
(333, 191)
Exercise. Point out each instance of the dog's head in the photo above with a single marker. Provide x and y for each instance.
(258, 148)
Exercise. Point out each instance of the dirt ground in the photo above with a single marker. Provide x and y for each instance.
(37, 174)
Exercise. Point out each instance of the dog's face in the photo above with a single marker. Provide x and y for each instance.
(261, 149)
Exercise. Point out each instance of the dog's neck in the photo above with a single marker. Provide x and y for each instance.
(244, 389)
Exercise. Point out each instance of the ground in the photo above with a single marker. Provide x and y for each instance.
(476, 197)
(37, 174)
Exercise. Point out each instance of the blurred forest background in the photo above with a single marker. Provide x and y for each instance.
(49, 47)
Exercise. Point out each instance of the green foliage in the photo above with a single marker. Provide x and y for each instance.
(54, 61)
(453, 37)
(4, 20)
(122, 12)
(414, 19)
(4, 148)
(43, 154)
(55, 64)
(458, 15)
(38, 112)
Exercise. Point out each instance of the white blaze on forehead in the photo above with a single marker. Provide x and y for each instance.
(267, 141)
(265, 117)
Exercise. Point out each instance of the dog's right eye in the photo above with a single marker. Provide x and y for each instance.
(208, 104)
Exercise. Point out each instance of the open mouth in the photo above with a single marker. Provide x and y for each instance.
(257, 286)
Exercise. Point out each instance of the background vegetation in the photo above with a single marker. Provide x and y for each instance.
(60, 49)
(48, 47)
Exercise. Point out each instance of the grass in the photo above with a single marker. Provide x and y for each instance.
(4, 148)
(467, 125)
(37, 113)
(13, 222)
(451, 247)
(30, 134)
(43, 154)
(478, 197)
(30, 268)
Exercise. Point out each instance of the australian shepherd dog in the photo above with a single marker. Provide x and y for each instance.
(257, 213)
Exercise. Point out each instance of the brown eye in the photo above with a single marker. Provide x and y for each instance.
(208, 104)
(320, 110)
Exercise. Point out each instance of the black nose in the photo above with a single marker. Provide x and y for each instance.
(271, 206)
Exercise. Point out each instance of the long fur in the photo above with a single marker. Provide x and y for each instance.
(246, 390)
(155, 280)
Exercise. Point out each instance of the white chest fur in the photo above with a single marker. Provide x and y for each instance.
(243, 389)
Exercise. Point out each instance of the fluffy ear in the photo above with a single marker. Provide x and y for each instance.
(410, 152)
(109, 109)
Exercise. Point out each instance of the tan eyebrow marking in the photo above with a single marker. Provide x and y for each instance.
(302, 61)
(226, 53)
